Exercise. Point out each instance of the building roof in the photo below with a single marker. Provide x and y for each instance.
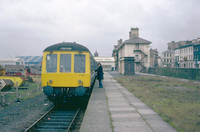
(9, 59)
(168, 52)
(134, 40)
(197, 43)
(14, 66)
(30, 59)
(186, 46)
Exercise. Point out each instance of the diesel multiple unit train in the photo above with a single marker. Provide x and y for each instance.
(68, 71)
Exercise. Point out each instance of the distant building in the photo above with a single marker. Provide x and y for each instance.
(8, 61)
(115, 54)
(186, 57)
(15, 66)
(133, 47)
(186, 54)
(155, 60)
(197, 54)
(176, 59)
(108, 63)
(96, 54)
(168, 58)
(174, 45)
(29, 61)
(15, 70)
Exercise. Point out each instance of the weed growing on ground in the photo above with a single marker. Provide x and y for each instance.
(176, 101)
(29, 90)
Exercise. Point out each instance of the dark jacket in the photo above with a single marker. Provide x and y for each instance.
(99, 73)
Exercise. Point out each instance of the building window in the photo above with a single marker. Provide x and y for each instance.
(137, 46)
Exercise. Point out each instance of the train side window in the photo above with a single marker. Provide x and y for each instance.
(51, 63)
(65, 62)
(92, 64)
(79, 63)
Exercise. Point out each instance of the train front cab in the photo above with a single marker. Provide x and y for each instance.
(66, 74)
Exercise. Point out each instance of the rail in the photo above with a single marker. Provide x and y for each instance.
(70, 125)
(31, 128)
(55, 120)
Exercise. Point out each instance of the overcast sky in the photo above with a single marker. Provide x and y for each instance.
(27, 27)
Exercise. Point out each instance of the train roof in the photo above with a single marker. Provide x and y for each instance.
(67, 46)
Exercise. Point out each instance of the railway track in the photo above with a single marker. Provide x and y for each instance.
(56, 119)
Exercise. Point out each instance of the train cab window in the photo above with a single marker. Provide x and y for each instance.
(51, 63)
(79, 63)
(65, 63)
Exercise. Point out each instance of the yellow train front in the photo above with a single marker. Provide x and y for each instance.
(67, 71)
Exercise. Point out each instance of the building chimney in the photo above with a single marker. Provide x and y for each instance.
(134, 32)
(119, 41)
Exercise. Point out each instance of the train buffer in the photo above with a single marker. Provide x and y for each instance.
(114, 108)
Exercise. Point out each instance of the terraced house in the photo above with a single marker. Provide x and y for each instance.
(168, 58)
(183, 56)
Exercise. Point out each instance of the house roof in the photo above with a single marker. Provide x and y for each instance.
(186, 46)
(197, 43)
(168, 52)
(134, 40)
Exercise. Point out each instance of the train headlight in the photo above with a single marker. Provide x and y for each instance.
(50, 81)
(80, 82)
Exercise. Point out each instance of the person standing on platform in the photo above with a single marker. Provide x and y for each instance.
(99, 74)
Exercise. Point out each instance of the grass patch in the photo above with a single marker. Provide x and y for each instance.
(176, 101)
(27, 91)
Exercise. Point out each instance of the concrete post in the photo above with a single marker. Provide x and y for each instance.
(17, 89)
(38, 84)
(0, 94)
(17, 94)
(3, 101)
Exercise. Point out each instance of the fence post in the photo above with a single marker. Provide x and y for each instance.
(17, 89)
(0, 94)
(38, 84)
(17, 94)
(2, 99)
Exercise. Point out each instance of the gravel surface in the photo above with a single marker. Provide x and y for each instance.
(19, 116)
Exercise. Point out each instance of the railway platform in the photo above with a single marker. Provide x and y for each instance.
(113, 108)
